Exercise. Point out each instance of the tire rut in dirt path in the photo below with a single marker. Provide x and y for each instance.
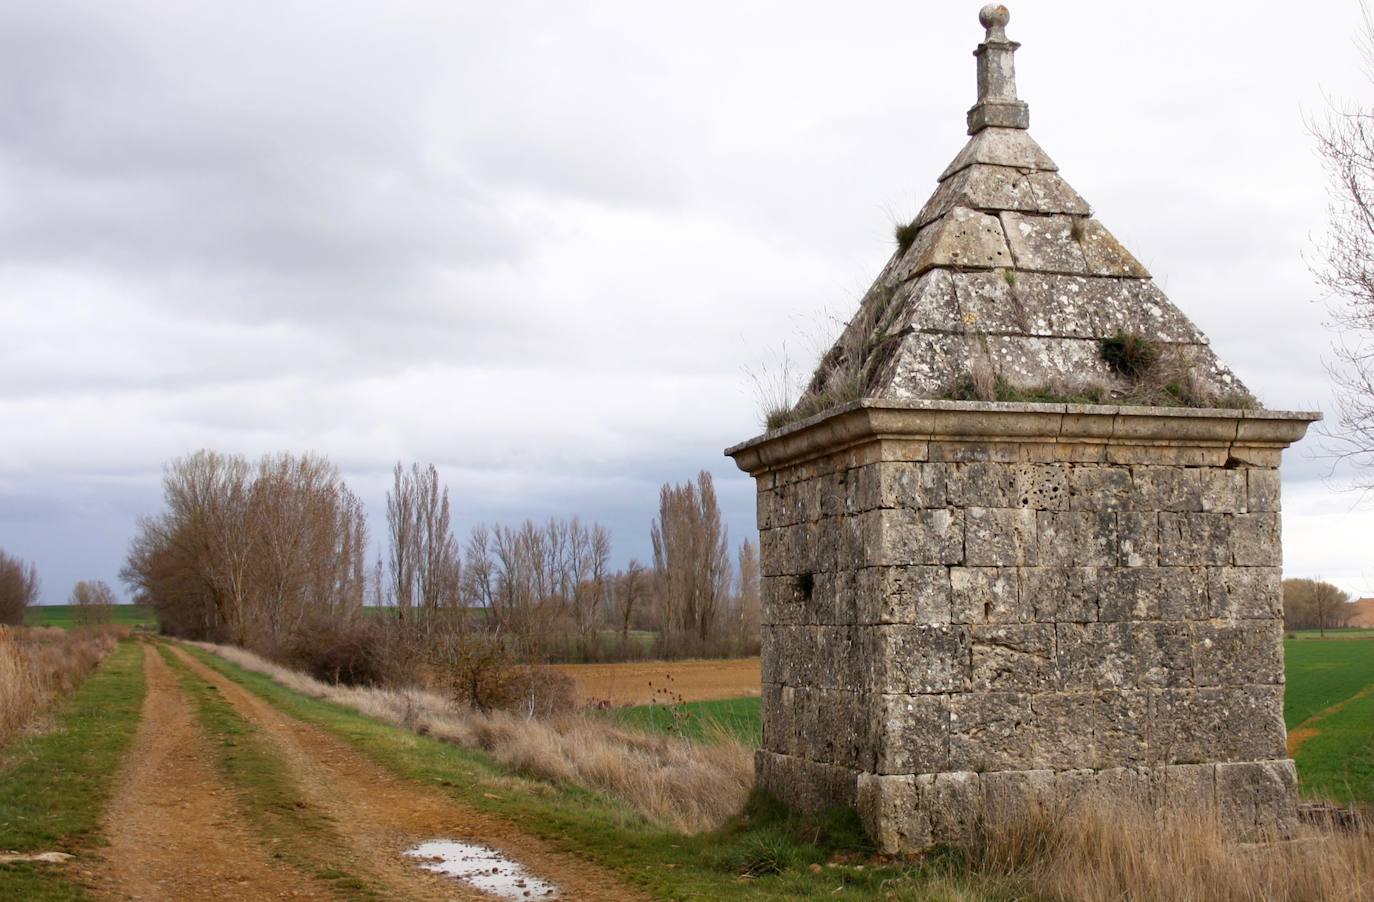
(381, 814)
(172, 827)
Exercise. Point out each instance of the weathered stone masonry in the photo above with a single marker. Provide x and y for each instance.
(970, 608)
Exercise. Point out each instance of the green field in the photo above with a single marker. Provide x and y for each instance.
(1352, 633)
(737, 717)
(1322, 674)
(64, 615)
(1330, 700)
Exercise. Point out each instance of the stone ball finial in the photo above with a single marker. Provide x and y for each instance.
(994, 17)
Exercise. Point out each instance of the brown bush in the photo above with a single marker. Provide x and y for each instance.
(532, 691)
(349, 652)
(18, 589)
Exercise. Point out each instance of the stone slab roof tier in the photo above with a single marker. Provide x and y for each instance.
(1006, 278)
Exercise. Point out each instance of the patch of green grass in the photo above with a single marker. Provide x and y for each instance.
(737, 717)
(302, 836)
(54, 787)
(1321, 674)
(766, 853)
(1337, 762)
(64, 615)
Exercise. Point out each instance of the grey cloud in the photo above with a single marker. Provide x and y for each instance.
(538, 244)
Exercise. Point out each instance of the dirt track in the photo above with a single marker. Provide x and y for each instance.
(172, 827)
(645, 682)
(174, 832)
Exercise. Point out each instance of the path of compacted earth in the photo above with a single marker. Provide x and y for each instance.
(174, 832)
(171, 825)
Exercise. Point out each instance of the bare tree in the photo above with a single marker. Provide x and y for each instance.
(93, 600)
(1329, 605)
(402, 540)
(209, 529)
(310, 537)
(631, 588)
(749, 594)
(251, 554)
(426, 569)
(18, 589)
(691, 562)
(1344, 265)
(1315, 604)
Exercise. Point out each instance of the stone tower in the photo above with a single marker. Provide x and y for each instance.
(981, 593)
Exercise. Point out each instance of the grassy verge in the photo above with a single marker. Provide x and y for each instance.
(737, 717)
(55, 787)
(766, 854)
(300, 835)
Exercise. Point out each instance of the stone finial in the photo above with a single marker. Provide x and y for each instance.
(994, 17)
(997, 102)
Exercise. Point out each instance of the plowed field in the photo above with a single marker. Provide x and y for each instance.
(666, 682)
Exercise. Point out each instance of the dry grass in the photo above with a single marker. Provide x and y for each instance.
(1114, 850)
(42, 664)
(690, 786)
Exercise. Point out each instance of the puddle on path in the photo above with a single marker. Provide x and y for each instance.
(483, 868)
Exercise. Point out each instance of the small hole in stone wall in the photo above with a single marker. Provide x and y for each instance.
(805, 584)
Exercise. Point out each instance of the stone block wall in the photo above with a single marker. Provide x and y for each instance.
(953, 631)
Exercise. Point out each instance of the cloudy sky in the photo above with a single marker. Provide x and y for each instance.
(544, 245)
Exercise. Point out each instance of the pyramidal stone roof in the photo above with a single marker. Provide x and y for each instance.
(1005, 278)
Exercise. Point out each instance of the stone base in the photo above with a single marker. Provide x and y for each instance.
(913, 812)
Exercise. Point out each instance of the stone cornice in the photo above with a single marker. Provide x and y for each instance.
(1090, 431)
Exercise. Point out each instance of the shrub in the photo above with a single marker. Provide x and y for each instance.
(18, 589)
(905, 233)
(1131, 355)
(350, 652)
(533, 691)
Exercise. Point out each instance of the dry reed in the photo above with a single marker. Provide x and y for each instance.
(1116, 850)
(41, 665)
(689, 786)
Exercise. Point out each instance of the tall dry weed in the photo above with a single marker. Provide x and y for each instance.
(1115, 850)
(40, 665)
(690, 786)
